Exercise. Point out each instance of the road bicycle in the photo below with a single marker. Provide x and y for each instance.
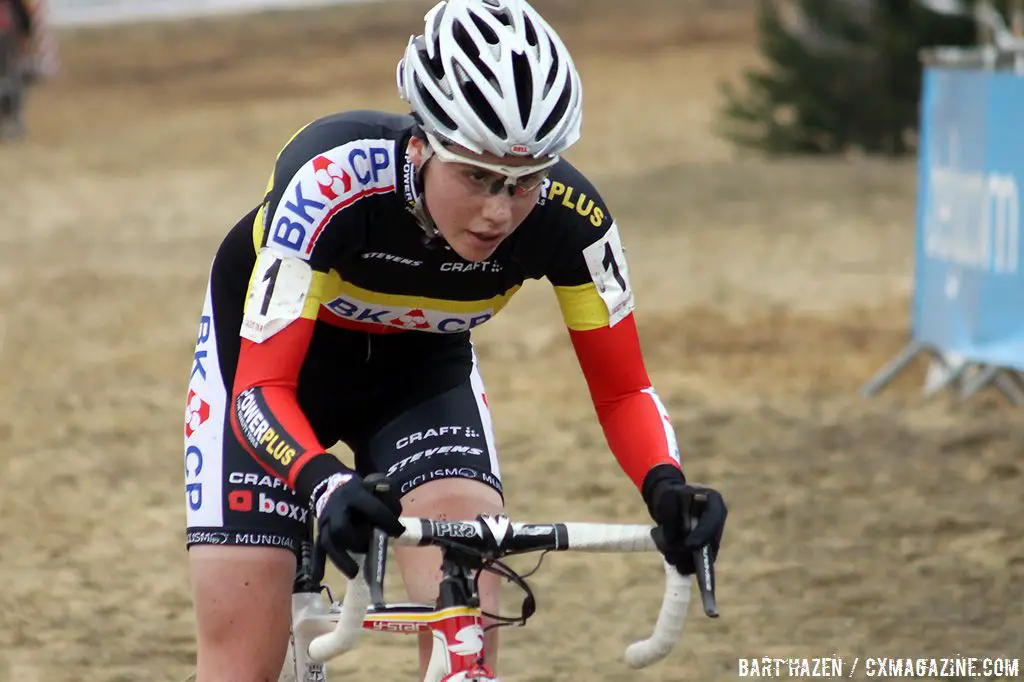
(323, 629)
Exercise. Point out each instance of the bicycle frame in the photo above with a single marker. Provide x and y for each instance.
(456, 624)
(457, 632)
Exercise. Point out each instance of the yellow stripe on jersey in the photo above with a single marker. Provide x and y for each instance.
(257, 229)
(257, 241)
(294, 135)
(335, 287)
(582, 307)
(257, 224)
(311, 308)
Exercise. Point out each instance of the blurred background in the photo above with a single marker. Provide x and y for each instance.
(761, 161)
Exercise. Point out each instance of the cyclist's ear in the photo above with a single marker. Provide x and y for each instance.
(417, 150)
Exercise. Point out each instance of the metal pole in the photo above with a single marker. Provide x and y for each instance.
(883, 376)
(985, 33)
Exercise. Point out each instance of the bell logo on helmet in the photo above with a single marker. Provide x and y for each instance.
(520, 149)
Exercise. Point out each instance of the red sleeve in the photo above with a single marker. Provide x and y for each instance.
(266, 417)
(634, 420)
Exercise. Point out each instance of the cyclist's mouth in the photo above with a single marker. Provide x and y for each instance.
(489, 239)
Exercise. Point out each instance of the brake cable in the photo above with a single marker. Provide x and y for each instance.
(483, 562)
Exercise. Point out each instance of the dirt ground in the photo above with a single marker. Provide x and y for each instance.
(767, 292)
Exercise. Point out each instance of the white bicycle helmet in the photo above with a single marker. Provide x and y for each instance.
(493, 76)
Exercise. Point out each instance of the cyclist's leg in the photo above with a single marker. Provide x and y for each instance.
(447, 498)
(441, 456)
(244, 527)
(243, 599)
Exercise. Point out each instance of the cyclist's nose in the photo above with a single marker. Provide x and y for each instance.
(498, 208)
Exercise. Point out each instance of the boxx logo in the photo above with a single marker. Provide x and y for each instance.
(282, 508)
(240, 500)
(324, 186)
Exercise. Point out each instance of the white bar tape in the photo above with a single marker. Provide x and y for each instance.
(583, 537)
(669, 628)
(413, 532)
(604, 537)
(350, 620)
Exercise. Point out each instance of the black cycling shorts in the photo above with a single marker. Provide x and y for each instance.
(411, 405)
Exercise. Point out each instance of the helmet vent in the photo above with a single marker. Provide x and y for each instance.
(432, 105)
(524, 86)
(558, 112)
(486, 31)
(465, 41)
(531, 33)
(552, 71)
(488, 116)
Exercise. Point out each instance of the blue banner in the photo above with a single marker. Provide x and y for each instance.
(969, 282)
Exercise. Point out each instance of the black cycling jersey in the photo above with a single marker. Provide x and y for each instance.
(334, 257)
(341, 197)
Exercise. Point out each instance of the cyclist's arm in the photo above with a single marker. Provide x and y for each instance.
(633, 418)
(280, 315)
(599, 316)
(301, 227)
(591, 280)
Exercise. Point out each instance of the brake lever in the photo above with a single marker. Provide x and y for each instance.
(374, 566)
(375, 563)
(377, 484)
(704, 566)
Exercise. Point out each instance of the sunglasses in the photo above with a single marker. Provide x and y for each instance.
(516, 179)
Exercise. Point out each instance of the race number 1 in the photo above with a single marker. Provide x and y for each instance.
(607, 263)
(277, 294)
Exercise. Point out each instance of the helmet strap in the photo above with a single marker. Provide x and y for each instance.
(419, 209)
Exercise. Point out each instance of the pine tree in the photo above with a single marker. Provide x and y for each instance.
(842, 75)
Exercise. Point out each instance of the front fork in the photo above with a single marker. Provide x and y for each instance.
(459, 652)
(308, 621)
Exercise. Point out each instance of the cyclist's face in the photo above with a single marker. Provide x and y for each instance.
(471, 206)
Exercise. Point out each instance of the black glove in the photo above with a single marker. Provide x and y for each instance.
(347, 513)
(670, 500)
